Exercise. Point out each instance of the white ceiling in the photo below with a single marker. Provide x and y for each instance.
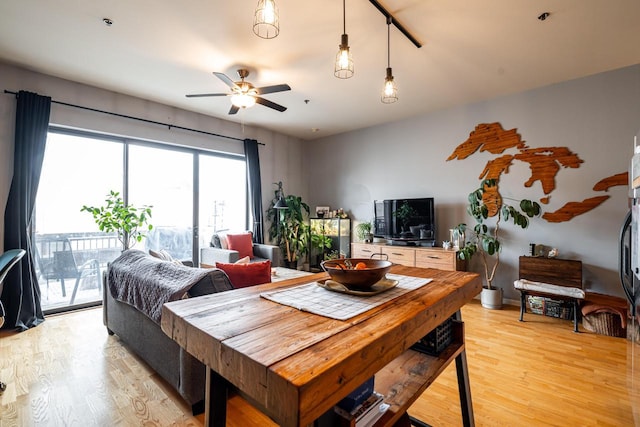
(472, 50)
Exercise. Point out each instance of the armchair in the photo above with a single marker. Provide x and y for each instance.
(217, 253)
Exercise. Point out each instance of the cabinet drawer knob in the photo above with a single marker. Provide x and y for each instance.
(433, 257)
(396, 254)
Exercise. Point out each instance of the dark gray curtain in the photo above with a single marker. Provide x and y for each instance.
(254, 186)
(21, 294)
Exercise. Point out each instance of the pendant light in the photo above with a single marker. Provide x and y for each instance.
(266, 23)
(389, 91)
(344, 62)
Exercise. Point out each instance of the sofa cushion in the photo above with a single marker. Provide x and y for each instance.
(164, 256)
(219, 239)
(243, 243)
(245, 275)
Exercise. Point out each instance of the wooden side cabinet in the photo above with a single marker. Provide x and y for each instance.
(417, 256)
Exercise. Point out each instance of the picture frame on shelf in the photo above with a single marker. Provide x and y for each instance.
(322, 211)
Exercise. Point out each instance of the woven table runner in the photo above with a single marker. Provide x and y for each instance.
(315, 299)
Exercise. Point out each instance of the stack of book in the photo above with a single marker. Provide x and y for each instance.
(362, 408)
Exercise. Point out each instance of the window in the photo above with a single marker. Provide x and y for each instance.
(81, 168)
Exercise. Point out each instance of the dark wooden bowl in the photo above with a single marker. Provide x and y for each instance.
(356, 279)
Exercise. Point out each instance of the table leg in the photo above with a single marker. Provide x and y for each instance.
(215, 400)
(464, 388)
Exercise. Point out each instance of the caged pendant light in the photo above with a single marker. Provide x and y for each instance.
(266, 23)
(389, 91)
(344, 62)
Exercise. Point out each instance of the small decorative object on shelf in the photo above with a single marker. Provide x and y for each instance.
(322, 211)
(553, 253)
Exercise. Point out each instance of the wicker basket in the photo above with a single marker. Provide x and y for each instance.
(604, 324)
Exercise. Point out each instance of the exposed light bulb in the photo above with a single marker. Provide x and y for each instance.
(389, 91)
(269, 12)
(343, 58)
(388, 88)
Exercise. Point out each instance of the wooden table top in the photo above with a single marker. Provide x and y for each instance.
(296, 365)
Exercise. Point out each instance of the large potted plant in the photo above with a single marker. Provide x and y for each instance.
(129, 222)
(289, 227)
(486, 204)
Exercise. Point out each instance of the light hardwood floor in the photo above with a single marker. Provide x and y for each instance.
(68, 371)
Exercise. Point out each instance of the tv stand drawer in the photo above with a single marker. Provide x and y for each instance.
(436, 258)
(402, 256)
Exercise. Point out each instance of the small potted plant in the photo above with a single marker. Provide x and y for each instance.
(485, 203)
(129, 222)
(363, 231)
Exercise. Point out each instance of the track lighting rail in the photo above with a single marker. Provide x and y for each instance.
(395, 22)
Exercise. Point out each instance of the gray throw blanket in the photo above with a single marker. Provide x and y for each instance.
(147, 283)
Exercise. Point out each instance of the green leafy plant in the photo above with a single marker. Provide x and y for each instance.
(289, 227)
(363, 230)
(129, 222)
(485, 240)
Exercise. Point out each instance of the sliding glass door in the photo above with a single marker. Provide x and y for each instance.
(82, 168)
(70, 252)
(223, 196)
(163, 178)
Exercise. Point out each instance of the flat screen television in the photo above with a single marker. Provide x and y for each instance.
(420, 225)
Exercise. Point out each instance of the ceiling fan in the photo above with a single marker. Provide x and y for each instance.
(244, 94)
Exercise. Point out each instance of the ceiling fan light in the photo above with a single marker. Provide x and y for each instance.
(243, 100)
(344, 61)
(389, 91)
(266, 23)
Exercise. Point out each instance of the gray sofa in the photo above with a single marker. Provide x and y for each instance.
(143, 335)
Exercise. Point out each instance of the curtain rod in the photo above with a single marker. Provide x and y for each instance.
(168, 125)
(398, 25)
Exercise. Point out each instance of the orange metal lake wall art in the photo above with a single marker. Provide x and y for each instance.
(544, 163)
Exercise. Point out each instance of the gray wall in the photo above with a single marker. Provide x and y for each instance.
(595, 117)
(280, 157)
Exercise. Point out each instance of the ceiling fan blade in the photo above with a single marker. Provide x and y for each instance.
(199, 95)
(271, 89)
(233, 109)
(226, 80)
(270, 104)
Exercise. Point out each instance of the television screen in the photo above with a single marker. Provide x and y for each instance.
(410, 219)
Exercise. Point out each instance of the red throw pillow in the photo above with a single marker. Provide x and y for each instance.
(245, 275)
(243, 243)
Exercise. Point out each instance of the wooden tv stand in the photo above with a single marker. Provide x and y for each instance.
(411, 256)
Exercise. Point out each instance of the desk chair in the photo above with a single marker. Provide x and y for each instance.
(7, 260)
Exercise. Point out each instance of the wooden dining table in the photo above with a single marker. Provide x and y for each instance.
(294, 365)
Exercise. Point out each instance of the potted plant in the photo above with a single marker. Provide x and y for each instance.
(363, 231)
(320, 242)
(289, 228)
(486, 203)
(404, 214)
(129, 222)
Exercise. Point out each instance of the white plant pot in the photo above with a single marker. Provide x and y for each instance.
(491, 298)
